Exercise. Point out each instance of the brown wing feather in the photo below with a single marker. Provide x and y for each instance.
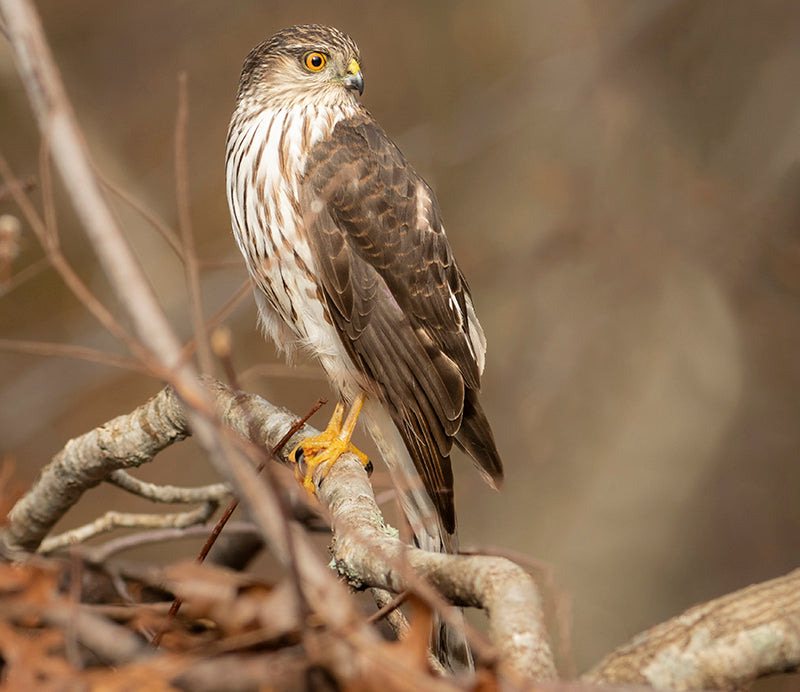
(398, 298)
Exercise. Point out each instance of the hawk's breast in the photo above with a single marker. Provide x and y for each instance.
(265, 161)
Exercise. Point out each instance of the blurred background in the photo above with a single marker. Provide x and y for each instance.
(620, 183)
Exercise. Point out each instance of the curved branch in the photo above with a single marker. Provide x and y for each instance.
(365, 550)
(124, 442)
(368, 553)
(723, 644)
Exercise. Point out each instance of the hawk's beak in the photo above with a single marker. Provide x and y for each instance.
(354, 78)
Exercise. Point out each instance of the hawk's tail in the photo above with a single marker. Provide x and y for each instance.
(448, 643)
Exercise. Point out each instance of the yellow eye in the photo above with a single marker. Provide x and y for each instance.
(315, 61)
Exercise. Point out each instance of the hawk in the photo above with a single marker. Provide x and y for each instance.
(346, 248)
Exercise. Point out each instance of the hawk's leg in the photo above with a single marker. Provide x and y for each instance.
(328, 446)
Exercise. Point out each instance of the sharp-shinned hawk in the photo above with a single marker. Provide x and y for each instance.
(345, 244)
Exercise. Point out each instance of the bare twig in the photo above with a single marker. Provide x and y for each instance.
(366, 552)
(168, 493)
(48, 202)
(98, 554)
(158, 224)
(26, 183)
(217, 318)
(231, 508)
(93, 355)
(387, 602)
(389, 609)
(58, 126)
(124, 442)
(187, 235)
(65, 270)
(30, 272)
(720, 644)
(560, 602)
(124, 520)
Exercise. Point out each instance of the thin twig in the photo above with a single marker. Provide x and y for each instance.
(25, 183)
(368, 554)
(123, 520)
(390, 607)
(561, 602)
(304, 610)
(99, 554)
(226, 515)
(187, 235)
(93, 355)
(68, 275)
(291, 432)
(55, 116)
(30, 272)
(48, 201)
(159, 225)
(170, 494)
(217, 318)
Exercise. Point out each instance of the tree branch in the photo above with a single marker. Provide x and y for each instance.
(59, 128)
(124, 442)
(723, 644)
(366, 551)
(126, 520)
(168, 493)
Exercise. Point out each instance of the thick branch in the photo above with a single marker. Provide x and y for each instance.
(369, 554)
(125, 442)
(722, 644)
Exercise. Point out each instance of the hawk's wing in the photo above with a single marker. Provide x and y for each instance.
(398, 299)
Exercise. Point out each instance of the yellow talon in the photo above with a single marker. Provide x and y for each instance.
(324, 449)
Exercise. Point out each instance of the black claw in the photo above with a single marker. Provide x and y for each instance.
(298, 456)
(369, 468)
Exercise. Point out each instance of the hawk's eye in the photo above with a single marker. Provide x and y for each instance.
(315, 61)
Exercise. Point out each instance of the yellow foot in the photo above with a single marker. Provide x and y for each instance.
(324, 449)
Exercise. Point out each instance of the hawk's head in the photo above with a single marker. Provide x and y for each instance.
(308, 63)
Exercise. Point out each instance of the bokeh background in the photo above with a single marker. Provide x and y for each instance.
(620, 182)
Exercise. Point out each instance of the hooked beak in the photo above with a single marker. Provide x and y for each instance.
(354, 78)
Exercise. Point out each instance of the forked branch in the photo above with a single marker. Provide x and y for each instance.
(366, 551)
